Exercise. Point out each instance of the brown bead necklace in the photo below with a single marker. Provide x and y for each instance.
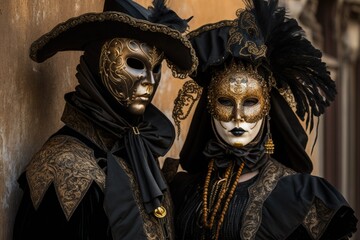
(225, 184)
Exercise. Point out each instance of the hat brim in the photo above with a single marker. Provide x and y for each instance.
(75, 33)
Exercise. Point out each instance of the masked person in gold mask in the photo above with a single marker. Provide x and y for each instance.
(246, 170)
(98, 177)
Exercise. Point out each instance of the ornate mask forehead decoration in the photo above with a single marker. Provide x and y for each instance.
(238, 92)
(127, 64)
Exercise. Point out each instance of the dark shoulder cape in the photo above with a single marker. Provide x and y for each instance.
(64, 188)
(63, 193)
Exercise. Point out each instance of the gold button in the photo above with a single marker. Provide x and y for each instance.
(160, 212)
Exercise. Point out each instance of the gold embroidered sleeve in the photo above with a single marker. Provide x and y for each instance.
(68, 164)
(317, 218)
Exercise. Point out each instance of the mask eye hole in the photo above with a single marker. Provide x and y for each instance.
(225, 101)
(135, 63)
(157, 68)
(250, 102)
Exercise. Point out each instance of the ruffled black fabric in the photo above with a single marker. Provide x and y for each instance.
(253, 157)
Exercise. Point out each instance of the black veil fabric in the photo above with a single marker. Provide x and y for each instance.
(192, 158)
(289, 136)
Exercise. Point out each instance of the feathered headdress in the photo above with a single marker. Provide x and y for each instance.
(295, 63)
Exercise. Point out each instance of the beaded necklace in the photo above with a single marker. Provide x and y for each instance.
(220, 189)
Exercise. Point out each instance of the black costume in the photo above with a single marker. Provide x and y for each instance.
(98, 177)
(283, 201)
(266, 207)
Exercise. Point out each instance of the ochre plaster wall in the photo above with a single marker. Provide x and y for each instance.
(32, 94)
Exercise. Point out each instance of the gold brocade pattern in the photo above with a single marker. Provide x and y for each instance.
(153, 226)
(122, 18)
(70, 166)
(247, 22)
(258, 193)
(317, 218)
(73, 119)
(287, 94)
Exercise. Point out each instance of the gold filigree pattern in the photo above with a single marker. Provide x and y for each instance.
(153, 226)
(287, 94)
(317, 218)
(251, 49)
(246, 24)
(123, 79)
(258, 193)
(70, 166)
(184, 102)
(122, 18)
(75, 120)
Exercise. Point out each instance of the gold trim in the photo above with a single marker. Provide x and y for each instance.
(258, 193)
(68, 164)
(209, 27)
(143, 25)
(317, 218)
(287, 94)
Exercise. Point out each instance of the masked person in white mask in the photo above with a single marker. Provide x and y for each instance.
(247, 174)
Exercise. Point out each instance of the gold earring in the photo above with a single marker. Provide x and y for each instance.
(269, 144)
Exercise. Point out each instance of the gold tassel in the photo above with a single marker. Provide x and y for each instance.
(269, 144)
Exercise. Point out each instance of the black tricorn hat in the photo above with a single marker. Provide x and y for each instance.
(158, 26)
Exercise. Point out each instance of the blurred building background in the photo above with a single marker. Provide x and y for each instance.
(32, 94)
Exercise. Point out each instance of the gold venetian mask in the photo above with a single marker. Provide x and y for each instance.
(131, 72)
(238, 93)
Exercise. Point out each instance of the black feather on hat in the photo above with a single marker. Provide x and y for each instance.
(263, 35)
(293, 60)
(157, 26)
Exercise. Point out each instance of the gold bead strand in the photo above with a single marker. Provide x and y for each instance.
(228, 199)
(205, 193)
(221, 196)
